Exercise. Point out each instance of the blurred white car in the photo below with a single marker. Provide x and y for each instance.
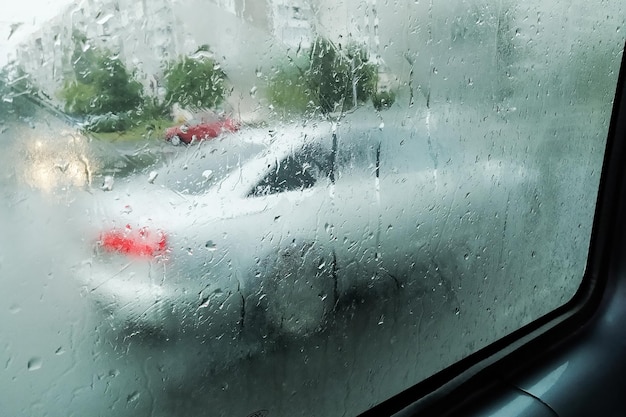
(273, 232)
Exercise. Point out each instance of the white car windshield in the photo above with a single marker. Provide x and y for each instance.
(197, 168)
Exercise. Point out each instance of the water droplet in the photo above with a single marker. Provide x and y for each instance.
(253, 91)
(210, 245)
(104, 19)
(153, 175)
(59, 351)
(107, 185)
(260, 413)
(15, 308)
(62, 166)
(204, 303)
(133, 397)
(207, 174)
(457, 311)
(466, 256)
(35, 364)
(381, 126)
(381, 321)
(322, 264)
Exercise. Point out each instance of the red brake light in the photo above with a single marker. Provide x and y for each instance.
(138, 242)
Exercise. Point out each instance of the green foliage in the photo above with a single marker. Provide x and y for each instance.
(288, 89)
(101, 85)
(144, 128)
(364, 75)
(325, 77)
(16, 91)
(328, 76)
(152, 109)
(85, 60)
(109, 123)
(144, 115)
(383, 99)
(79, 98)
(118, 92)
(195, 83)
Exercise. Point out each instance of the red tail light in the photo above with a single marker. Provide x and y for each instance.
(138, 242)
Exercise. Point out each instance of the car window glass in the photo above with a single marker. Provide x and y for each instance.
(296, 171)
(365, 193)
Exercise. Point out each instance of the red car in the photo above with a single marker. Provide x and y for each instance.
(200, 131)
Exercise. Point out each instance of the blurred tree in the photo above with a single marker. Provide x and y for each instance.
(383, 99)
(79, 98)
(195, 82)
(16, 92)
(116, 88)
(328, 76)
(288, 87)
(84, 58)
(325, 77)
(101, 83)
(363, 74)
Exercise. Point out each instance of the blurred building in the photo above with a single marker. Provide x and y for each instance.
(142, 32)
(148, 33)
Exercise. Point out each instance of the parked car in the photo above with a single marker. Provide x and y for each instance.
(274, 232)
(201, 131)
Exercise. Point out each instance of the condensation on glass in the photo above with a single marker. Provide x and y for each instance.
(287, 207)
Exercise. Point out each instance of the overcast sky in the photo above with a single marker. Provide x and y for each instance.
(30, 15)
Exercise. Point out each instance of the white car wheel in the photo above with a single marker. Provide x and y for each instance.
(175, 140)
